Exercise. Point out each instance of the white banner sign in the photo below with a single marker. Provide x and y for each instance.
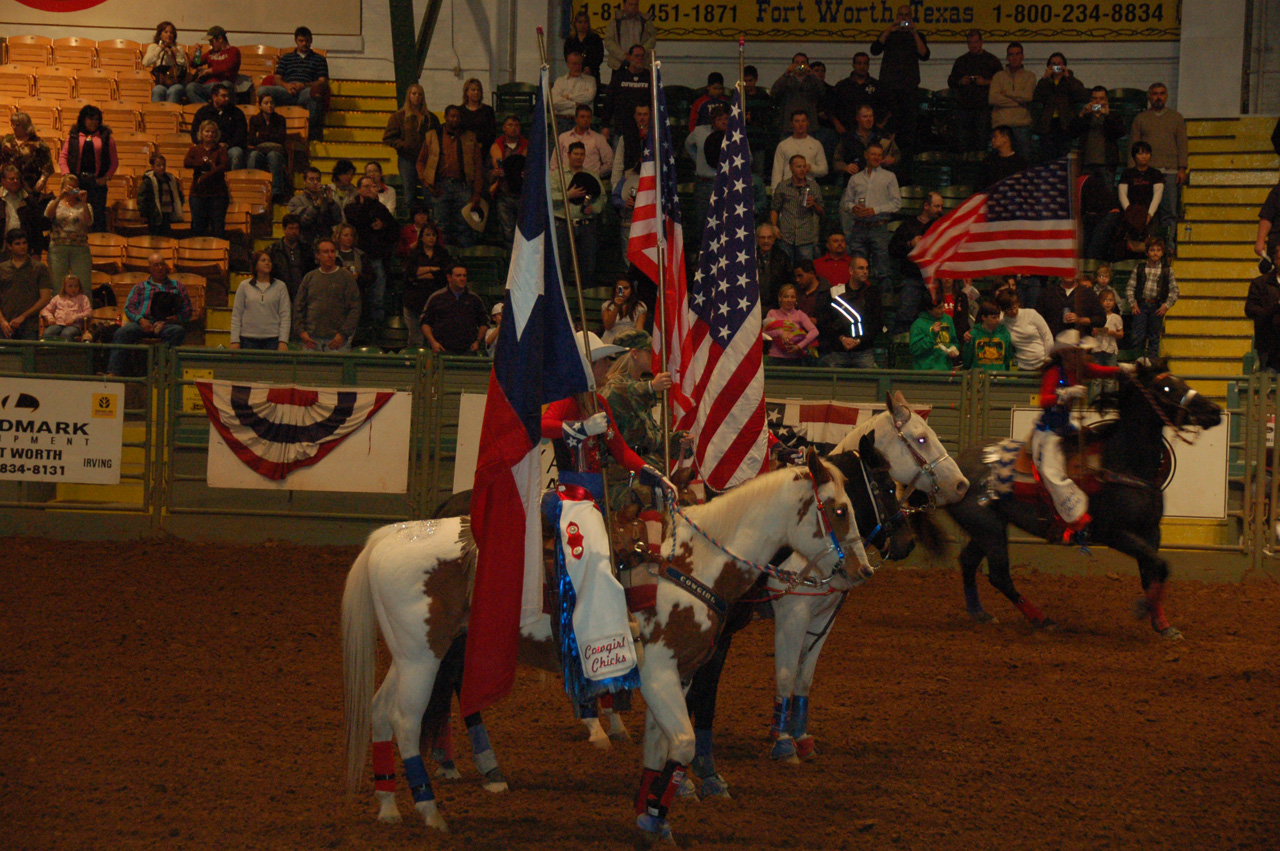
(61, 431)
(1197, 484)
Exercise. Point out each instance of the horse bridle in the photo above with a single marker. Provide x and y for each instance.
(1183, 411)
(923, 467)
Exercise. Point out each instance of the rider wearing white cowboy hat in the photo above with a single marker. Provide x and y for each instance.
(1065, 380)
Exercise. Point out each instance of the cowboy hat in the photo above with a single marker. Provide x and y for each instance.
(1071, 339)
(476, 214)
(598, 348)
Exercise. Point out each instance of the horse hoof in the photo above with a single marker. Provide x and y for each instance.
(654, 830)
(981, 616)
(432, 816)
(448, 771)
(806, 747)
(1171, 633)
(784, 750)
(715, 786)
(601, 742)
(1046, 625)
(620, 736)
(496, 788)
(687, 791)
(389, 816)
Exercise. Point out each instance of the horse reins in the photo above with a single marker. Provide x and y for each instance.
(924, 467)
(1180, 426)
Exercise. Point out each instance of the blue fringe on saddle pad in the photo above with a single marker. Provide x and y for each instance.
(579, 688)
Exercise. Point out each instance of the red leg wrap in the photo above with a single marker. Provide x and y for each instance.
(673, 785)
(606, 701)
(647, 778)
(1029, 610)
(384, 766)
(1155, 598)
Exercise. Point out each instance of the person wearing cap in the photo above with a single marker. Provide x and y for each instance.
(632, 398)
(220, 64)
(700, 112)
(454, 320)
(491, 336)
(1063, 382)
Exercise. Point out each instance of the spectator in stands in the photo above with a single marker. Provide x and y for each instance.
(853, 320)
(1108, 336)
(599, 154)
(1268, 238)
(1032, 339)
(1263, 306)
(628, 90)
(700, 112)
(799, 142)
(1141, 190)
(386, 193)
(1099, 130)
(1165, 130)
(869, 202)
(933, 336)
(326, 310)
(509, 154)
(586, 202)
(25, 149)
(570, 91)
(797, 89)
(1059, 95)
(851, 153)
(70, 217)
(1012, 90)
(623, 313)
(825, 130)
(1152, 291)
(773, 265)
(262, 313)
(90, 154)
(855, 91)
(424, 275)
(703, 147)
(791, 331)
(344, 183)
(233, 130)
(452, 173)
(25, 289)
(210, 196)
(629, 26)
(21, 210)
(351, 257)
(989, 346)
(477, 116)
(970, 82)
(813, 294)
(267, 140)
(157, 308)
(758, 101)
(956, 304)
(407, 129)
(378, 233)
(905, 238)
(292, 256)
(160, 198)
(626, 168)
(419, 218)
(1071, 306)
(797, 212)
(167, 63)
(317, 211)
(835, 266)
(302, 79)
(220, 64)
(1099, 217)
(67, 314)
(904, 48)
(584, 41)
(1003, 160)
(454, 319)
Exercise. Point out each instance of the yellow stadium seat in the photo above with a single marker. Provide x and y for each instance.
(96, 85)
(75, 52)
(29, 50)
(119, 54)
(53, 81)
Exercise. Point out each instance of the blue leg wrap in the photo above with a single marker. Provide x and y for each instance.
(415, 773)
(781, 715)
(479, 738)
(702, 742)
(799, 716)
(971, 601)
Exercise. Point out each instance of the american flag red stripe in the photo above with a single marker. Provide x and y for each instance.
(1024, 225)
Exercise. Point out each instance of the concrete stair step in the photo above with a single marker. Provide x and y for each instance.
(353, 134)
(1214, 288)
(1200, 161)
(366, 88)
(1217, 270)
(390, 167)
(1207, 347)
(1259, 127)
(1230, 308)
(352, 151)
(1235, 177)
(356, 119)
(384, 105)
(214, 339)
(1208, 212)
(1238, 250)
(1211, 231)
(1251, 196)
(1230, 145)
(217, 319)
(1212, 326)
(1223, 367)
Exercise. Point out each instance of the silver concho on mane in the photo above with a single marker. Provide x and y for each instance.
(1000, 459)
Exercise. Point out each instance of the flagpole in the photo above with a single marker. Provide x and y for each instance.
(654, 65)
(588, 399)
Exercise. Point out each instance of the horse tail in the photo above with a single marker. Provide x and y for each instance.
(359, 646)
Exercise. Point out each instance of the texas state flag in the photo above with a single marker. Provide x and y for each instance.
(536, 362)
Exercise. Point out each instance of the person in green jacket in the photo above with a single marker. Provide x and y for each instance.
(933, 335)
(989, 345)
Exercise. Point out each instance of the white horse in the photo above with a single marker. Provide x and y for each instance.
(412, 582)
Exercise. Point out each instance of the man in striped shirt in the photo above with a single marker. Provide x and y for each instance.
(302, 79)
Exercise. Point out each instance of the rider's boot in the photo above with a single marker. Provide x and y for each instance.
(1077, 533)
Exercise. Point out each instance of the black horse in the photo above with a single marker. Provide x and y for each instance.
(1126, 510)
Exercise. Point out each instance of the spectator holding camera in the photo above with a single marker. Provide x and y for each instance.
(1099, 130)
(904, 48)
(1060, 96)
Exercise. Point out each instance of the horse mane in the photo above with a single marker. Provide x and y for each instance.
(760, 489)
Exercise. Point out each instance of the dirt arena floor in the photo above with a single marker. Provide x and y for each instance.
(178, 696)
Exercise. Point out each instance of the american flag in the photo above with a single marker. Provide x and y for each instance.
(724, 381)
(657, 191)
(1024, 225)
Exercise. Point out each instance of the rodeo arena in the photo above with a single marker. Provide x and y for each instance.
(469, 425)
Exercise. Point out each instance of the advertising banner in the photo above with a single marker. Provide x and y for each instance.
(61, 431)
(192, 18)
